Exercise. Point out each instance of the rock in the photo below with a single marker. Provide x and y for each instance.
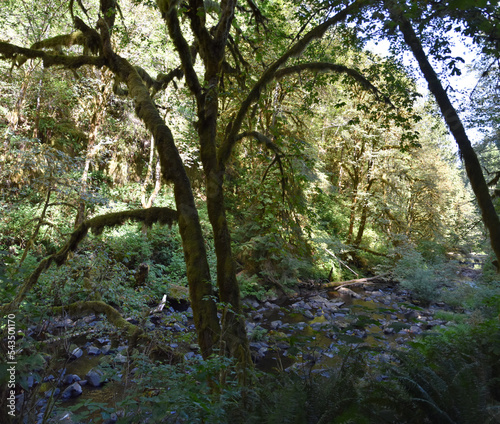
(52, 392)
(106, 349)
(189, 355)
(72, 391)
(65, 417)
(94, 378)
(30, 381)
(251, 303)
(415, 329)
(92, 350)
(250, 326)
(276, 324)
(344, 291)
(89, 319)
(71, 378)
(113, 418)
(194, 347)
(121, 359)
(64, 323)
(103, 340)
(283, 345)
(177, 327)
(76, 353)
(149, 326)
(308, 314)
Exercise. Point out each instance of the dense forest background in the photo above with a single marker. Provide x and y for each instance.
(217, 151)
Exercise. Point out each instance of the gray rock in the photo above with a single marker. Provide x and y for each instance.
(276, 324)
(113, 418)
(71, 378)
(308, 314)
(94, 378)
(92, 350)
(106, 349)
(344, 291)
(189, 355)
(76, 353)
(64, 323)
(52, 392)
(415, 329)
(121, 359)
(149, 326)
(72, 391)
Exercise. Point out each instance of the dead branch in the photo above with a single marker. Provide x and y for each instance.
(360, 281)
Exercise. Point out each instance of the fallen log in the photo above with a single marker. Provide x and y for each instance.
(361, 281)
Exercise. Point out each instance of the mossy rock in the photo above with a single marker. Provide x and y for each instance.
(179, 293)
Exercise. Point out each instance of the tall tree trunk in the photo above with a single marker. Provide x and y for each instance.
(472, 165)
(211, 49)
(172, 167)
(233, 326)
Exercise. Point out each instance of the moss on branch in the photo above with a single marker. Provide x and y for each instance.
(96, 225)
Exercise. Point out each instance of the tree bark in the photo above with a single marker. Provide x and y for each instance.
(195, 255)
(472, 165)
(212, 48)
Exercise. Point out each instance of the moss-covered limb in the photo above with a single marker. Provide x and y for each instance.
(98, 307)
(185, 52)
(317, 32)
(148, 216)
(164, 216)
(91, 38)
(333, 67)
(21, 54)
(65, 40)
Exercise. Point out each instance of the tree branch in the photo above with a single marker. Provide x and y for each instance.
(333, 67)
(96, 225)
(254, 94)
(11, 52)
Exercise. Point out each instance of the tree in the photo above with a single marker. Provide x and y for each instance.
(217, 57)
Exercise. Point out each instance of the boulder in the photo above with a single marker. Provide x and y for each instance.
(94, 378)
(71, 392)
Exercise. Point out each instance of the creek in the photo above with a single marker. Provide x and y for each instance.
(305, 330)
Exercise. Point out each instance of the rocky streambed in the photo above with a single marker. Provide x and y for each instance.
(303, 330)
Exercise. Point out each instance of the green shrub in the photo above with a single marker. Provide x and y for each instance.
(417, 276)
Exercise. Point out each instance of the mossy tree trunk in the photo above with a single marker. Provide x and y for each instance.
(450, 115)
(172, 167)
(212, 50)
